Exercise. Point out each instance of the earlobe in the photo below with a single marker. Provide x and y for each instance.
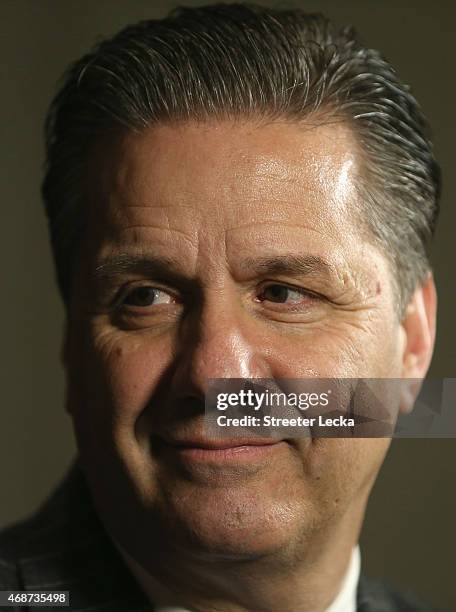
(419, 325)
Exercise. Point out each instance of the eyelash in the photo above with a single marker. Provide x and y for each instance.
(305, 293)
(123, 294)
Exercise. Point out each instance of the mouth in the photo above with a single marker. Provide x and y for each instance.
(200, 450)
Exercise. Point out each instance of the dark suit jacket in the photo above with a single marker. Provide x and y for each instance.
(64, 547)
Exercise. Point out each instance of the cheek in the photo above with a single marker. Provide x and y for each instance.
(120, 372)
(344, 347)
(345, 467)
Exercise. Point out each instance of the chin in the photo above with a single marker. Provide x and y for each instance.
(237, 526)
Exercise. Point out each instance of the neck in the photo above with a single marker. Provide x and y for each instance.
(310, 578)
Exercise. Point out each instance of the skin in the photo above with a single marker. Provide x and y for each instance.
(212, 199)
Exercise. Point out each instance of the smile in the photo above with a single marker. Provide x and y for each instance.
(224, 451)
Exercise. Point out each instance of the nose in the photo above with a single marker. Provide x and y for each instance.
(224, 342)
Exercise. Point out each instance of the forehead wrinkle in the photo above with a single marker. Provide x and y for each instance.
(165, 206)
(161, 229)
(282, 224)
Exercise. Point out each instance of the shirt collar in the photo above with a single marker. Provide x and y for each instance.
(346, 599)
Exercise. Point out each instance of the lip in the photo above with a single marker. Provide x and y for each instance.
(208, 444)
(220, 451)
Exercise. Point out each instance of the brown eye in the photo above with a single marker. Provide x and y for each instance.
(145, 296)
(281, 294)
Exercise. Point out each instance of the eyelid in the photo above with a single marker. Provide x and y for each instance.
(303, 290)
(125, 289)
(122, 293)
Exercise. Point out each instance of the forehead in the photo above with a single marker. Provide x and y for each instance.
(228, 174)
(211, 198)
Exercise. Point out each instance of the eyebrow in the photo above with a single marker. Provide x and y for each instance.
(156, 266)
(302, 265)
(167, 268)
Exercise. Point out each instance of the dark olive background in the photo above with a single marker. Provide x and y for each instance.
(409, 534)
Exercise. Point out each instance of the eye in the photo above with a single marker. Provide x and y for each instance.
(282, 297)
(145, 296)
(282, 294)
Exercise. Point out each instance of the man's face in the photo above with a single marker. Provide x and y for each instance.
(222, 250)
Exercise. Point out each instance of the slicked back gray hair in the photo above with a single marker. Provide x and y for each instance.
(237, 61)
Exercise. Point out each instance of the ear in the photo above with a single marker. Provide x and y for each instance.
(419, 325)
